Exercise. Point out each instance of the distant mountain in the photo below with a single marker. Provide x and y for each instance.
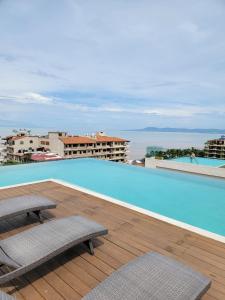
(184, 130)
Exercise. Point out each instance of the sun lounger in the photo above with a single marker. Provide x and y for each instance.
(152, 276)
(4, 296)
(31, 248)
(24, 204)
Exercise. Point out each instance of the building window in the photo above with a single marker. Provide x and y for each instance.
(31, 142)
(21, 142)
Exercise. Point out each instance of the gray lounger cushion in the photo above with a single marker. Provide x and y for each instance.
(4, 296)
(35, 246)
(152, 276)
(19, 205)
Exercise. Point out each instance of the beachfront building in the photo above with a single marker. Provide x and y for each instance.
(215, 148)
(22, 146)
(98, 145)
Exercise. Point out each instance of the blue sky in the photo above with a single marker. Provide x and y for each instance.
(112, 64)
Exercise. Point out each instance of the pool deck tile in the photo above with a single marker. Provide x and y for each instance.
(74, 273)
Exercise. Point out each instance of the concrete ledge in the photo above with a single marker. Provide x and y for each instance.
(185, 167)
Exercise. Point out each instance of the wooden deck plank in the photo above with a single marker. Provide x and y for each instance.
(72, 274)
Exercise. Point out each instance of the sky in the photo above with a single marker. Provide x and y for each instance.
(112, 64)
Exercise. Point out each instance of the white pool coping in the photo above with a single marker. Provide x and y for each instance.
(180, 224)
(204, 165)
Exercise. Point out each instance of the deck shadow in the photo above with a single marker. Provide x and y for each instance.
(23, 220)
(49, 267)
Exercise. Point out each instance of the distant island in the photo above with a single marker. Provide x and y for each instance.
(184, 130)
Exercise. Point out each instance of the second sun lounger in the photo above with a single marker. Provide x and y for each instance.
(31, 248)
(12, 207)
(152, 276)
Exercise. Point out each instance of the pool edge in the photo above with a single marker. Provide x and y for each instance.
(26, 183)
(152, 214)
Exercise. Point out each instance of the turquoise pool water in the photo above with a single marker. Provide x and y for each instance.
(196, 200)
(201, 161)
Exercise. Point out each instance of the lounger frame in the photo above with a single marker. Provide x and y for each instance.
(39, 204)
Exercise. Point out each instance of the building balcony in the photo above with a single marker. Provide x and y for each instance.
(101, 155)
(118, 158)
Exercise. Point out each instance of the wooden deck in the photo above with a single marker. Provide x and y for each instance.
(74, 273)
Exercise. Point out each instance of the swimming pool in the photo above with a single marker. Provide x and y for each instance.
(201, 161)
(192, 199)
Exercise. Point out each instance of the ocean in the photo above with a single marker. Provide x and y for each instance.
(140, 140)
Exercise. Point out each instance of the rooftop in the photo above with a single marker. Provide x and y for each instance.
(90, 140)
(18, 137)
(222, 138)
(45, 156)
(74, 273)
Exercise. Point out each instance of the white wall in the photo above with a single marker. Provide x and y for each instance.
(24, 143)
(55, 144)
(185, 167)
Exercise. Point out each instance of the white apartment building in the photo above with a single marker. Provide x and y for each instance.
(20, 146)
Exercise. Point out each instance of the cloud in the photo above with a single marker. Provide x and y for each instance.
(26, 98)
(157, 59)
(180, 111)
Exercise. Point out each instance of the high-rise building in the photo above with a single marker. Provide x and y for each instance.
(215, 148)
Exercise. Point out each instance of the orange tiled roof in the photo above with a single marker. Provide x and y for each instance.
(90, 140)
(14, 138)
(101, 138)
(77, 140)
